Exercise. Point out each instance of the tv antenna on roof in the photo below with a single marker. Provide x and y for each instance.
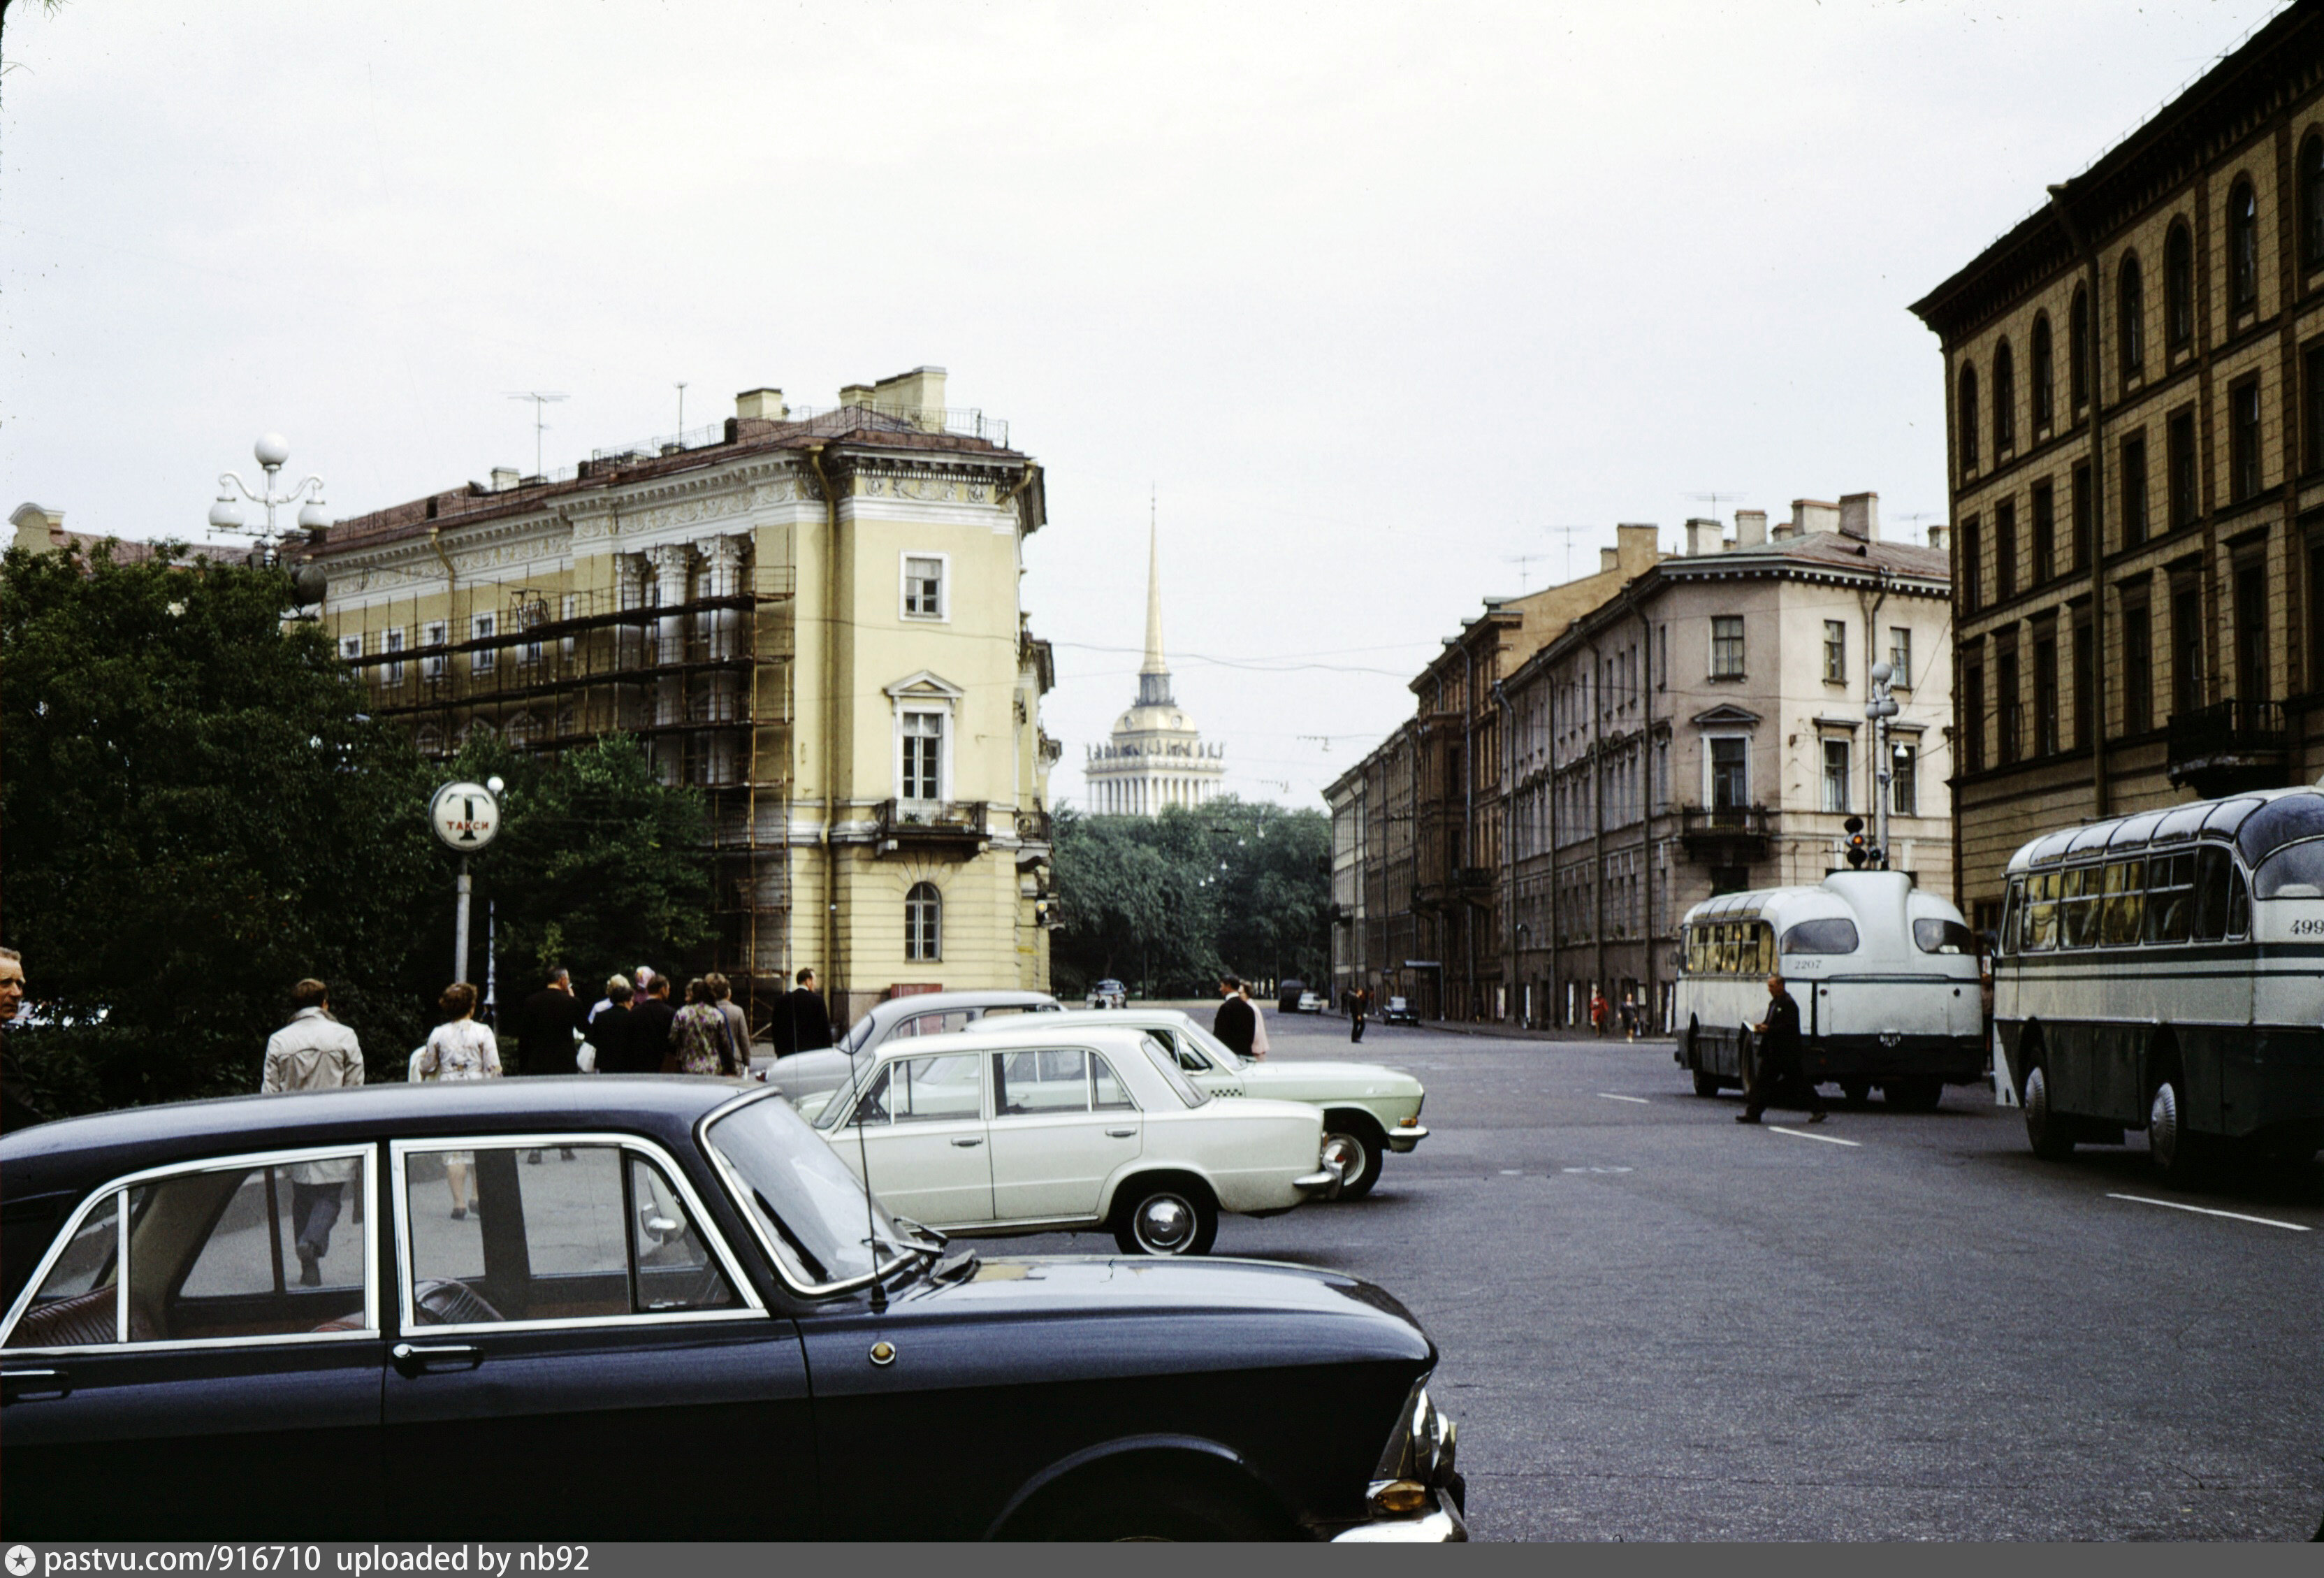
(1525, 563)
(1566, 534)
(1915, 519)
(541, 400)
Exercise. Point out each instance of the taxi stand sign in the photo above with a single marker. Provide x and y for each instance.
(465, 816)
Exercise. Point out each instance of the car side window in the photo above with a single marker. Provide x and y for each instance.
(1050, 1079)
(942, 1088)
(1108, 1094)
(576, 1233)
(78, 1304)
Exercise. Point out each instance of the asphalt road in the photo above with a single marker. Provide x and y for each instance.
(1659, 1325)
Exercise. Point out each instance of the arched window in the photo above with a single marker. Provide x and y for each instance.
(2179, 286)
(2132, 329)
(2078, 349)
(2005, 400)
(923, 924)
(2242, 246)
(1965, 412)
(2311, 201)
(2044, 374)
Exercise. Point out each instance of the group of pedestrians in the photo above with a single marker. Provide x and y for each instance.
(1630, 1017)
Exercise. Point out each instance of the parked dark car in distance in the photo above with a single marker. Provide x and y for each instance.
(701, 1287)
(1399, 1012)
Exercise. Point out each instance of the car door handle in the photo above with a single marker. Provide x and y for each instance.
(420, 1358)
(964, 1144)
(18, 1386)
(1122, 1133)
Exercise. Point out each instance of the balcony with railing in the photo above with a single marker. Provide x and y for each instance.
(950, 829)
(2230, 746)
(1724, 835)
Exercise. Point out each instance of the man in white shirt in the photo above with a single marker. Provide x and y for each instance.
(313, 1052)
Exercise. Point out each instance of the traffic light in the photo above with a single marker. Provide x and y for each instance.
(1858, 851)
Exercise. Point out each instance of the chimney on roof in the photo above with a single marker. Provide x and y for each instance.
(1939, 534)
(1860, 516)
(764, 405)
(38, 528)
(505, 477)
(1609, 560)
(1814, 516)
(1701, 537)
(1638, 547)
(919, 393)
(1750, 528)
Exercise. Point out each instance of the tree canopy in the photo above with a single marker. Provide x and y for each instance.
(1168, 903)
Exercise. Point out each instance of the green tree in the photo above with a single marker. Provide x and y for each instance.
(197, 814)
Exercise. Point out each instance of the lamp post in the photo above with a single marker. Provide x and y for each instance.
(272, 451)
(1880, 709)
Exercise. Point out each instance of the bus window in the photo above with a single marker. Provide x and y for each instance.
(1726, 930)
(1765, 933)
(2011, 906)
(2039, 930)
(2239, 903)
(2170, 898)
(2212, 866)
(2125, 906)
(1833, 936)
(1933, 935)
(2293, 872)
(2077, 908)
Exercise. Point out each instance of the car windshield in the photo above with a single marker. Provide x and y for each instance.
(857, 1035)
(1188, 1092)
(1212, 1046)
(809, 1210)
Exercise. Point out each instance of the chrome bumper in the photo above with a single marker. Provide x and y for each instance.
(1441, 1527)
(1317, 1183)
(1402, 1140)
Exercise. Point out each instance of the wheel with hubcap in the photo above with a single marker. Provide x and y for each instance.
(2051, 1135)
(1356, 1145)
(2178, 1155)
(1166, 1219)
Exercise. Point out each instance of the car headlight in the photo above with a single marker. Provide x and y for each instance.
(1418, 1459)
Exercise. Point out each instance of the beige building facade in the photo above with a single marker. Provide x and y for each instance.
(812, 615)
(2133, 379)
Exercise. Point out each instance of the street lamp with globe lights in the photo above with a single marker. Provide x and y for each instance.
(272, 451)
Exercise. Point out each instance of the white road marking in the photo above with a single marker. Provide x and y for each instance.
(1803, 1134)
(1611, 1096)
(1513, 1172)
(1596, 1169)
(2206, 1211)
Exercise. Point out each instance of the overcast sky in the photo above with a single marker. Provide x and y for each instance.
(1373, 297)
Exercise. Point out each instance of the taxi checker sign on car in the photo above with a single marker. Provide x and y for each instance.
(465, 816)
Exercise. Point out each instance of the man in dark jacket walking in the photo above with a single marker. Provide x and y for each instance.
(545, 1024)
(1235, 1026)
(1780, 1074)
(1360, 1007)
(647, 1038)
(802, 1023)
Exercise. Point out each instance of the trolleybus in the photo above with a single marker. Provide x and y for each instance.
(1886, 977)
(2165, 972)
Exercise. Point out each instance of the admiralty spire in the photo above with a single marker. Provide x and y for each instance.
(1156, 758)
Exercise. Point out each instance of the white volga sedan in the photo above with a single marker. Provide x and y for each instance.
(1038, 1129)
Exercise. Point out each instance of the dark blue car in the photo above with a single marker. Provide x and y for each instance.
(638, 1308)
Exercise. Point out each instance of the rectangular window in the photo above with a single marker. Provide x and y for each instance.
(1973, 711)
(2134, 491)
(2045, 696)
(1836, 754)
(393, 643)
(1904, 781)
(2244, 435)
(1900, 657)
(2008, 711)
(2187, 649)
(924, 587)
(923, 756)
(350, 647)
(2081, 508)
(483, 627)
(1730, 785)
(1835, 651)
(2005, 550)
(1662, 657)
(2045, 533)
(2137, 668)
(2085, 682)
(2251, 631)
(1726, 646)
(1971, 568)
(2179, 445)
(433, 634)
(2312, 403)
(605, 1235)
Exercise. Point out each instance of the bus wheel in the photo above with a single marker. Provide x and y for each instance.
(2051, 1135)
(1706, 1083)
(2178, 1155)
(1857, 1091)
(1919, 1094)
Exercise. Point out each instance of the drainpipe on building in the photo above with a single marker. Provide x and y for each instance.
(2099, 787)
(1509, 845)
(834, 982)
(1652, 1002)
(1871, 603)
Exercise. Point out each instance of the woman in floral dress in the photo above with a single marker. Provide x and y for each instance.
(460, 1049)
(700, 1038)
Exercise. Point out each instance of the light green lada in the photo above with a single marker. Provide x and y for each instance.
(1369, 1110)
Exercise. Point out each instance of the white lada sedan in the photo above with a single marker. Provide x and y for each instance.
(1369, 1110)
(1038, 1129)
